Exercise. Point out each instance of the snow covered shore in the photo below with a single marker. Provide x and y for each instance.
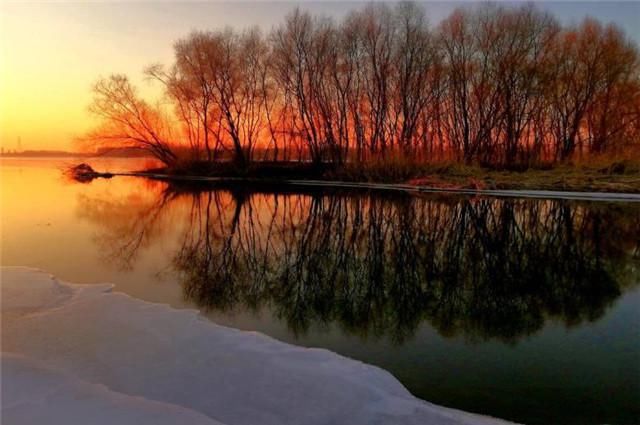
(82, 354)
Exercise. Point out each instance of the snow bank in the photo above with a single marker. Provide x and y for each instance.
(34, 394)
(82, 354)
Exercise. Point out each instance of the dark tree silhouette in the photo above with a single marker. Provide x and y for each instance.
(491, 84)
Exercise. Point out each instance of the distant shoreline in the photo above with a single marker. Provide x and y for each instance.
(66, 154)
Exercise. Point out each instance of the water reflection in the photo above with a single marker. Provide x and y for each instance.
(380, 265)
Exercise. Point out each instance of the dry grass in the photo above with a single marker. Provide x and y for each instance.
(597, 176)
(600, 176)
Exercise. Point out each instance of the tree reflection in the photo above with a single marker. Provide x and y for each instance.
(379, 266)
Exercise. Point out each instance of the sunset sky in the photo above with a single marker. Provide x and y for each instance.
(53, 51)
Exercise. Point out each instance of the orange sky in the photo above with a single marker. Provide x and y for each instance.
(52, 52)
(49, 60)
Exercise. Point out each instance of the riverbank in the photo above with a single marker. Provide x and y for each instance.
(606, 177)
(81, 353)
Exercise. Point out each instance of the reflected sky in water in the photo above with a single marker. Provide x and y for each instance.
(521, 309)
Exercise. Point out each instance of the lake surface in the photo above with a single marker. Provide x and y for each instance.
(526, 310)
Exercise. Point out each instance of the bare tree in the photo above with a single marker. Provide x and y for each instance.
(519, 57)
(128, 121)
(495, 85)
(415, 59)
(614, 115)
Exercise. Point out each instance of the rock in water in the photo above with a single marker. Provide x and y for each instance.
(85, 173)
(82, 172)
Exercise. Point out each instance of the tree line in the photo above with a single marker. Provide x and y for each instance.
(494, 85)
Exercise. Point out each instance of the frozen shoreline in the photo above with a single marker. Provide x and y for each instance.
(83, 354)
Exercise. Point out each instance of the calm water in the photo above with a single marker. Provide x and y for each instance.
(522, 309)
